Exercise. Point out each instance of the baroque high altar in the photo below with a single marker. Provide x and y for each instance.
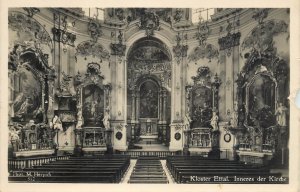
(143, 76)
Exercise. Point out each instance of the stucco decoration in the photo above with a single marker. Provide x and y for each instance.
(204, 50)
(31, 11)
(229, 41)
(21, 23)
(207, 51)
(260, 14)
(149, 22)
(89, 48)
(261, 38)
(94, 29)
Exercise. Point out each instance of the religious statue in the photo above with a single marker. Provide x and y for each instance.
(14, 134)
(214, 122)
(281, 113)
(234, 118)
(187, 121)
(56, 123)
(106, 119)
(79, 117)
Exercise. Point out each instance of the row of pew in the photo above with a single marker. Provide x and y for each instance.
(148, 169)
(101, 169)
(195, 169)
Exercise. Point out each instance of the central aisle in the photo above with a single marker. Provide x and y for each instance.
(148, 169)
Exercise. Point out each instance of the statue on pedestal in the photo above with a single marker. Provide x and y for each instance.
(56, 123)
(79, 117)
(214, 122)
(106, 119)
(234, 118)
(281, 113)
(187, 121)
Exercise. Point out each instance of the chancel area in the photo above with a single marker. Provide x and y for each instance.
(148, 95)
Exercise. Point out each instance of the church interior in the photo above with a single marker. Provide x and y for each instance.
(148, 95)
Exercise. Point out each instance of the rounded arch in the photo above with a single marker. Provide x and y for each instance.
(146, 78)
(141, 34)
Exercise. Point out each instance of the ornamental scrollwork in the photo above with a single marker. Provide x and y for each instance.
(149, 21)
(89, 48)
(207, 51)
(94, 29)
(202, 33)
(261, 38)
(31, 11)
(92, 76)
(22, 23)
(64, 87)
(180, 50)
(260, 15)
(204, 50)
(178, 15)
(118, 49)
(63, 36)
(229, 41)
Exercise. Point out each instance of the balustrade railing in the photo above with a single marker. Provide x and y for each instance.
(22, 163)
(160, 154)
(25, 146)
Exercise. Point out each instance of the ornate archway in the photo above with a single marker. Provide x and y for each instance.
(149, 85)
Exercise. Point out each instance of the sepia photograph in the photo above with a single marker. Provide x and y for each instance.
(148, 95)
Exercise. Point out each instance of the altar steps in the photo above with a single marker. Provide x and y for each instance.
(148, 169)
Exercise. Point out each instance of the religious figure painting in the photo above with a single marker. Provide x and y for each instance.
(262, 102)
(149, 100)
(202, 112)
(93, 102)
(27, 95)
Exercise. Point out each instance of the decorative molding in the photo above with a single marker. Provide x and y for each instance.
(16, 57)
(92, 76)
(119, 127)
(178, 15)
(150, 22)
(94, 29)
(261, 37)
(120, 14)
(31, 11)
(118, 49)
(64, 87)
(229, 41)
(202, 33)
(207, 51)
(179, 50)
(260, 14)
(224, 13)
(204, 50)
(21, 23)
(88, 48)
(63, 36)
(203, 76)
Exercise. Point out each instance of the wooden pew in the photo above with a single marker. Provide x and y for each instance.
(105, 169)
